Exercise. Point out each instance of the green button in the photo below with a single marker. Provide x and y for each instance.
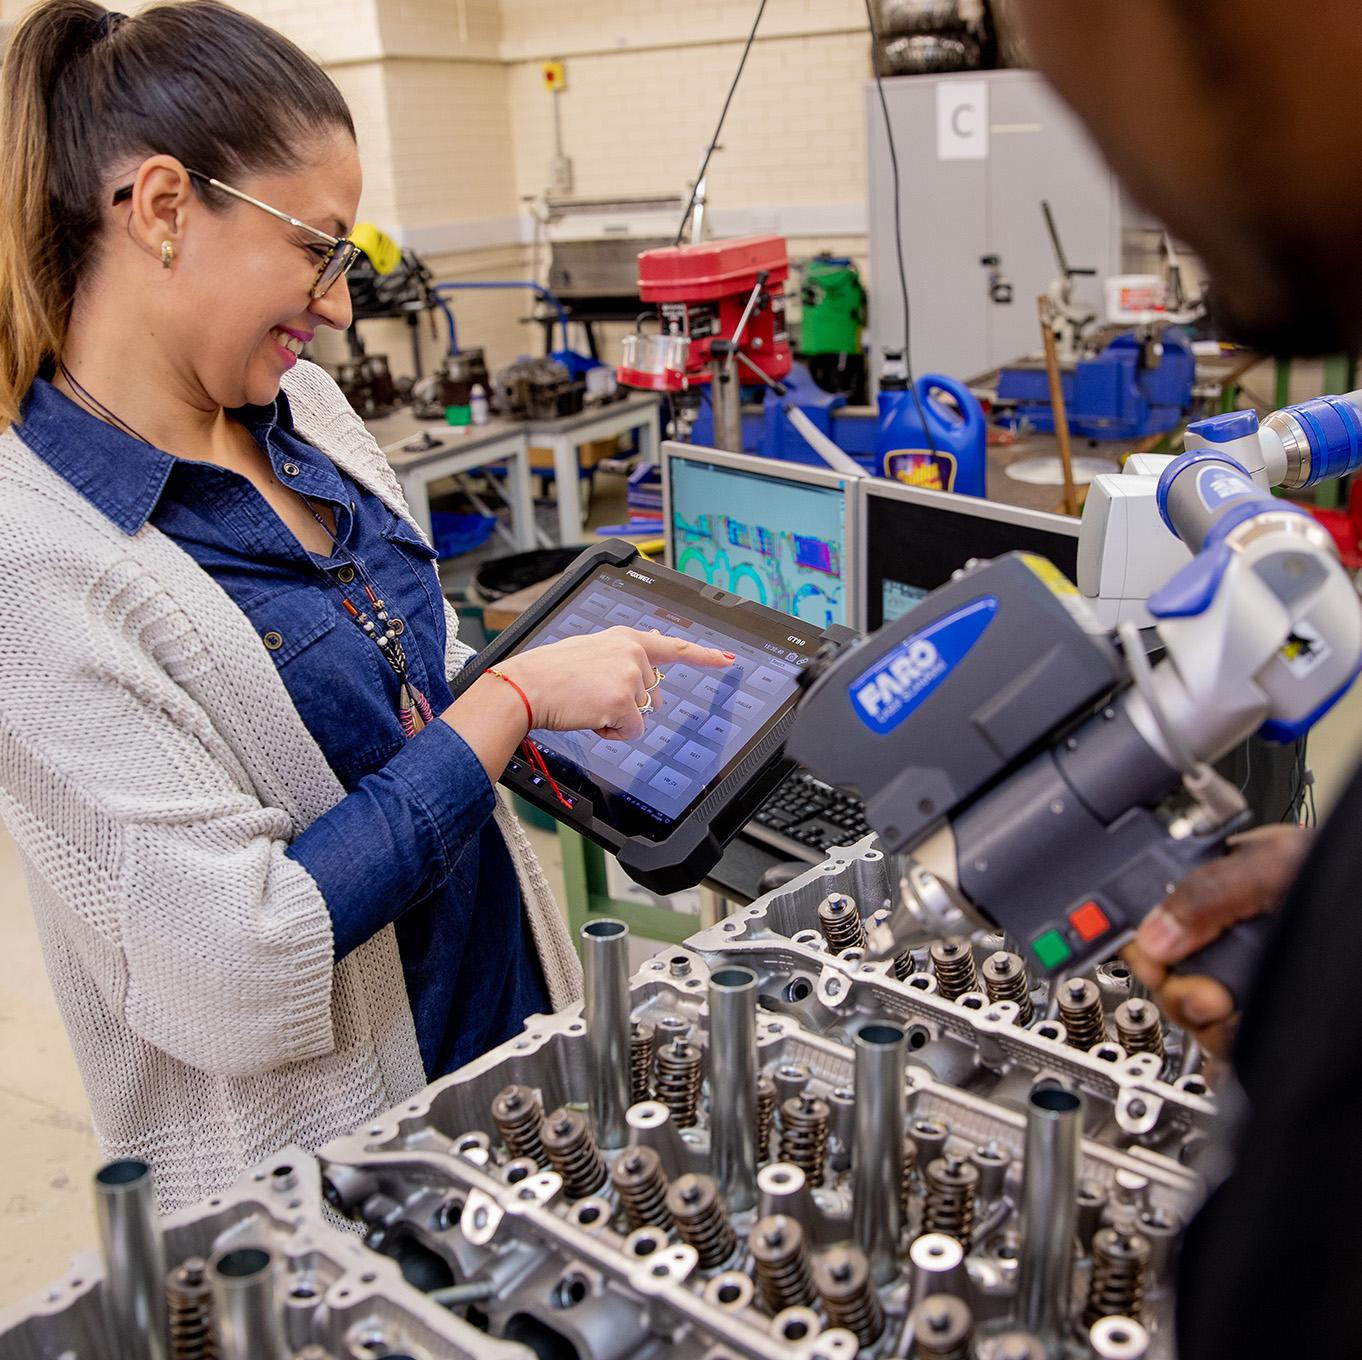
(1051, 950)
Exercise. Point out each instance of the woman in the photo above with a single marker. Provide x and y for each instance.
(275, 888)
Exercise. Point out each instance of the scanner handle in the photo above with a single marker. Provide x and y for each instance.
(1233, 959)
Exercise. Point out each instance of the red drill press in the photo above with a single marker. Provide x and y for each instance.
(721, 305)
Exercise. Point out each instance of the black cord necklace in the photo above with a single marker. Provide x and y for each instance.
(385, 629)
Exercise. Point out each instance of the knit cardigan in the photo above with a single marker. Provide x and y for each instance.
(153, 771)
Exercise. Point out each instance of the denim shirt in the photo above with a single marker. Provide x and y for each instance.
(412, 843)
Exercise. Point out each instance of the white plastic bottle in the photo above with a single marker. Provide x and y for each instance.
(477, 404)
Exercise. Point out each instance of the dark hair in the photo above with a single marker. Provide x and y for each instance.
(82, 90)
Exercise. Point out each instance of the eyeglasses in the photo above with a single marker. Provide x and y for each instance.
(337, 261)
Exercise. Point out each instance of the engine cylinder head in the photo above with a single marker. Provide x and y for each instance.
(701, 1220)
(1005, 980)
(782, 1262)
(679, 1073)
(573, 1153)
(1080, 1009)
(840, 920)
(951, 1185)
(642, 1185)
(766, 1117)
(1139, 1026)
(517, 1114)
(642, 1036)
(953, 963)
(842, 1279)
(804, 1123)
(943, 1328)
(189, 1302)
(1120, 1263)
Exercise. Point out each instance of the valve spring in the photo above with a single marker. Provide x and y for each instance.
(906, 1184)
(766, 1117)
(573, 1152)
(1005, 980)
(951, 1185)
(782, 1263)
(517, 1115)
(943, 1328)
(693, 1201)
(678, 1081)
(189, 1301)
(1138, 1026)
(804, 1123)
(843, 1281)
(1080, 1008)
(953, 961)
(641, 1036)
(642, 1185)
(904, 964)
(1120, 1262)
(840, 919)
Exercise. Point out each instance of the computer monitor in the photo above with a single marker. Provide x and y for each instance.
(914, 539)
(780, 533)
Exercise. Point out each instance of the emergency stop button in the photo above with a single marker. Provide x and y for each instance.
(1089, 921)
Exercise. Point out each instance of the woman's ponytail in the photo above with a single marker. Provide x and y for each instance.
(82, 93)
(36, 282)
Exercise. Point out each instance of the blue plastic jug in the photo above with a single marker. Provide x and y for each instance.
(902, 452)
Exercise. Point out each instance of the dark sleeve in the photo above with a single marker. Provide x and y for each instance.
(1270, 1265)
(395, 838)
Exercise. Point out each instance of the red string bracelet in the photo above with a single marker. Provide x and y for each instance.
(501, 675)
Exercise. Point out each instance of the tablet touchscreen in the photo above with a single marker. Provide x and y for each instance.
(704, 721)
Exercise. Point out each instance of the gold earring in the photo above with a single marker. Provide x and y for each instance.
(167, 254)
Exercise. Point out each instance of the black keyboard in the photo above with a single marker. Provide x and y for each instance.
(804, 818)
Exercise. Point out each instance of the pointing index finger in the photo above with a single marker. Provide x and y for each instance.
(662, 649)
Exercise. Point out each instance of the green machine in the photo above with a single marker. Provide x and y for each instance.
(833, 303)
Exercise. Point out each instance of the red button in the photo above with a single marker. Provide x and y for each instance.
(1089, 921)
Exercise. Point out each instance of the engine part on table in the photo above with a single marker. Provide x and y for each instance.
(189, 1312)
(951, 1183)
(334, 1298)
(367, 384)
(843, 1281)
(878, 1148)
(1080, 1010)
(641, 1183)
(451, 384)
(1054, 1122)
(1118, 1338)
(701, 1219)
(804, 1134)
(517, 1115)
(1139, 1026)
(605, 979)
(573, 1153)
(249, 1324)
(679, 1075)
(1120, 1261)
(781, 1262)
(953, 965)
(641, 1039)
(943, 1328)
(766, 1116)
(536, 389)
(1005, 979)
(733, 1070)
(840, 919)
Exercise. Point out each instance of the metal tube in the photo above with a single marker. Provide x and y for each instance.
(937, 1266)
(733, 1084)
(249, 1325)
(877, 1152)
(134, 1260)
(1054, 1123)
(605, 964)
(726, 394)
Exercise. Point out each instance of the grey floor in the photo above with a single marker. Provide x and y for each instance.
(49, 1148)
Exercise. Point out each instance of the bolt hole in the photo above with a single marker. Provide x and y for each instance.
(368, 1277)
(661, 1269)
(588, 1215)
(798, 989)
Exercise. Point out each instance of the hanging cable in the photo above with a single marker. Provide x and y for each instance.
(714, 141)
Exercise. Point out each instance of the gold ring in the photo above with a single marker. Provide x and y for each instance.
(660, 678)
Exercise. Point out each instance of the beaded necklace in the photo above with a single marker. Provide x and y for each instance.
(413, 708)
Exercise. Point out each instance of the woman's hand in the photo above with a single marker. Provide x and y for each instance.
(1250, 880)
(601, 680)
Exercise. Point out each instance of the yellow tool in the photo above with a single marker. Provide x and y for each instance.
(384, 253)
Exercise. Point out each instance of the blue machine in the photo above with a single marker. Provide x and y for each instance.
(1112, 395)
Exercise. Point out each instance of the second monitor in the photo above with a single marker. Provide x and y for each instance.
(775, 532)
